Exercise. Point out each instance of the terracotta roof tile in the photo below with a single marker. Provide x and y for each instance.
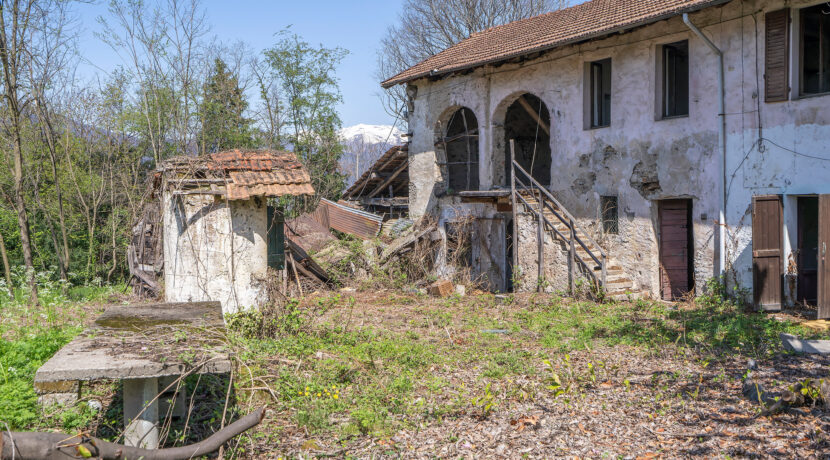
(250, 173)
(588, 20)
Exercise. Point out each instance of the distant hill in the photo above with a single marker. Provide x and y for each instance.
(365, 144)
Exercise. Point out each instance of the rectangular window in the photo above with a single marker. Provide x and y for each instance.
(600, 93)
(675, 79)
(610, 217)
(815, 49)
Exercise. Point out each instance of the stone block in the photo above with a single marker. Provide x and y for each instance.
(441, 288)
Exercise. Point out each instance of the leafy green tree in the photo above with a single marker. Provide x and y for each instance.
(224, 125)
(311, 93)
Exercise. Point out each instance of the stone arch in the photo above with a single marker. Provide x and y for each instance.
(526, 119)
(456, 150)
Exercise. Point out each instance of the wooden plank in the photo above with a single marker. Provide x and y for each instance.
(823, 275)
(395, 174)
(766, 251)
(530, 110)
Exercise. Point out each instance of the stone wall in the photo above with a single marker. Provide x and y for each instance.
(214, 250)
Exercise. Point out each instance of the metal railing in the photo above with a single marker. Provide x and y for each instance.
(545, 201)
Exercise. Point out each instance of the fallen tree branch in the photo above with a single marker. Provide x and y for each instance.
(59, 446)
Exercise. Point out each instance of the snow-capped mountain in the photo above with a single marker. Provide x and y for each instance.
(372, 134)
(364, 145)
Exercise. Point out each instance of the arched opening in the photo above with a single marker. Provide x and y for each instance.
(527, 123)
(457, 147)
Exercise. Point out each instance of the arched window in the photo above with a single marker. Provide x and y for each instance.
(458, 139)
(527, 123)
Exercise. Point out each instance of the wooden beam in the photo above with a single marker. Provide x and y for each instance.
(523, 102)
(395, 174)
(376, 168)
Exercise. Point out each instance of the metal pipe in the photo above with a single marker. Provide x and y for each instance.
(722, 141)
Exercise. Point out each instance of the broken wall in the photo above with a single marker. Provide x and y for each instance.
(640, 158)
(214, 250)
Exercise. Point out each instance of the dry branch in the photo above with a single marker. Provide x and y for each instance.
(59, 446)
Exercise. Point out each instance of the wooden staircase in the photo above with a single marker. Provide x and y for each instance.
(586, 257)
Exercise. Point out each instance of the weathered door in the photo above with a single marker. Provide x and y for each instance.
(276, 238)
(807, 260)
(489, 253)
(824, 257)
(766, 251)
(675, 248)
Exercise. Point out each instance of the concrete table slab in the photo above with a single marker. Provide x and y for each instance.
(794, 344)
(141, 345)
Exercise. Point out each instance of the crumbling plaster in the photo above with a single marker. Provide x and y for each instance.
(214, 250)
(640, 158)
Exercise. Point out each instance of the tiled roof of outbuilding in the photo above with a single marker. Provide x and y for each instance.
(247, 173)
(585, 21)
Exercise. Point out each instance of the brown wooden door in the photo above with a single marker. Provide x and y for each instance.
(824, 256)
(675, 248)
(766, 251)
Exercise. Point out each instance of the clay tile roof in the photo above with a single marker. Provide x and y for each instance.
(250, 173)
(588, 20)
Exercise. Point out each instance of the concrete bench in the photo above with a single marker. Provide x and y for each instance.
(145, 346)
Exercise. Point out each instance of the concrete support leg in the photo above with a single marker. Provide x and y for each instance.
(140, 423)
(172, 398)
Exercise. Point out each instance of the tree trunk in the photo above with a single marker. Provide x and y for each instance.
(6, 268)
(9, 60)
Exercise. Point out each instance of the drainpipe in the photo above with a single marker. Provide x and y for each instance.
(722, 141)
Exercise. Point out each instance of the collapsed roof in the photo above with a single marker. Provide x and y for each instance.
(385, 180)
(238, 174)
(589, 20)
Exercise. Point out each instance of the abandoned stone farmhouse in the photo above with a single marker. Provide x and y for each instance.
(644, 146)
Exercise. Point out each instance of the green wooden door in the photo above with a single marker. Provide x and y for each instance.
(276, 238)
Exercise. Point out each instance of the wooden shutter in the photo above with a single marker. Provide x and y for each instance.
(276, 238)
(777, 56)
(824, 257)
(766, 251)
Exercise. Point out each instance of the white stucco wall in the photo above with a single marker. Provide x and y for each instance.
(681, 154)
(214, 250)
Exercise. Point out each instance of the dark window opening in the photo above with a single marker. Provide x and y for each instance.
(807, 259)
(609, 213)
(815, 49)
(676, 79)
(460, 144)
(527, 123)
(600, 93)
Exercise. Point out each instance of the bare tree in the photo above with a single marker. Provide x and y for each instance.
(49, 69)
(268, 112)
(19, 22)
(426, 27)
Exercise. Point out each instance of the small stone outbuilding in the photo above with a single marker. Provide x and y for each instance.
(222, 228)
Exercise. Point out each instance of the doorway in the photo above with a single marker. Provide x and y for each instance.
(807, 250)
(527, 123)
(675, 248)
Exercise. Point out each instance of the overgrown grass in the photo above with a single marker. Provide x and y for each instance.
(30, 336)
(345, 380)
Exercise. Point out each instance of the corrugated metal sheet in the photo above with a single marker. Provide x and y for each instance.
(348, 220)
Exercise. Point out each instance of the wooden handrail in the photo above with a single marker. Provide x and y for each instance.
(547, 194)
(565, 238)
(567, 219)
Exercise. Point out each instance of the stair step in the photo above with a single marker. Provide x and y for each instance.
(622, 280)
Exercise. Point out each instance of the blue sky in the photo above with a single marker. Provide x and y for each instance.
(354, 25)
